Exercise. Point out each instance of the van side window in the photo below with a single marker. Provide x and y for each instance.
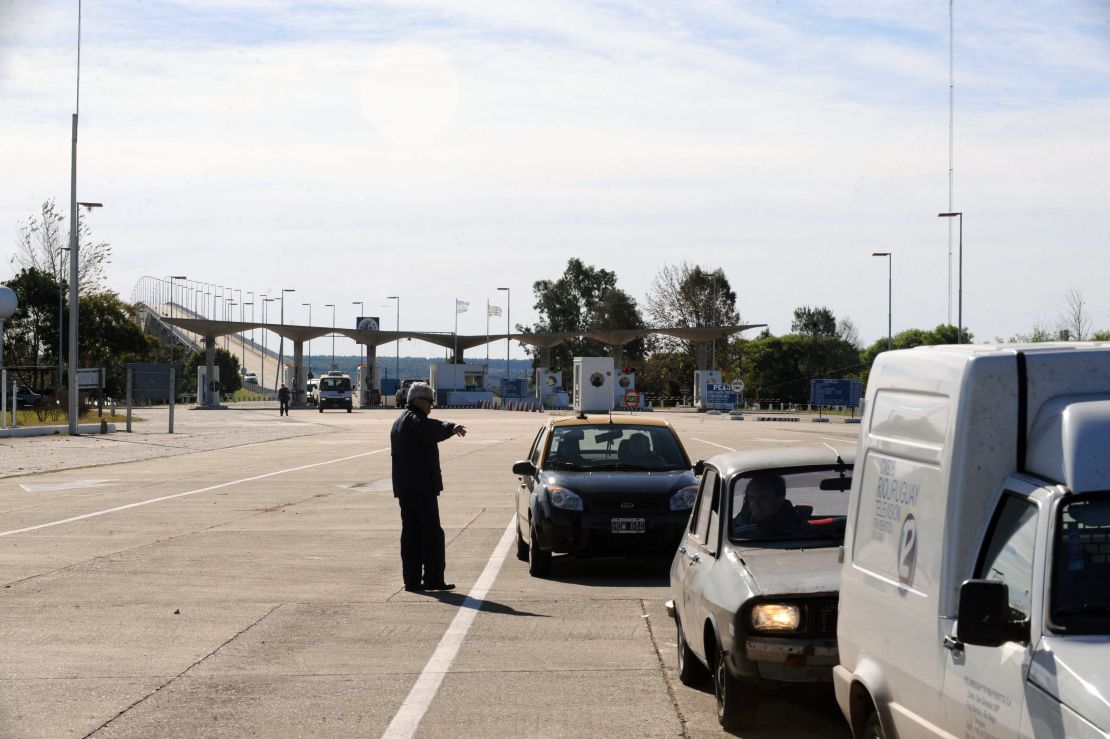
(1008, 552)
(703, 503)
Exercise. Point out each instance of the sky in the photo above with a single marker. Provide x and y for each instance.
(437, 150)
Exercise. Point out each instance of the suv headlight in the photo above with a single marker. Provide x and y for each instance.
(774, 617)
(560, 497)
(683, 500)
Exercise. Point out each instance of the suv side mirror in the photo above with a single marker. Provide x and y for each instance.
(983, 615)
(525, 468)
(699, 467)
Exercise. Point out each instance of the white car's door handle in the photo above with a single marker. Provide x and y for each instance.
(682, 549)
(694, 557)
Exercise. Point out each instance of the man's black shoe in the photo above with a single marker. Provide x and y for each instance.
(415, 588)
(439, 586)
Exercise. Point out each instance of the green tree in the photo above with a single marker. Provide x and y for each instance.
(230, 379)
(31, 335)
(780, 367)
(818, 321)
(109, 336)
(689, 297)
(584, 298)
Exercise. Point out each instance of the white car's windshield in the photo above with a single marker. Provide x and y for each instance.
(799, 503)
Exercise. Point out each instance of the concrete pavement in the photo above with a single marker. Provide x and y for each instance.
(241, 577)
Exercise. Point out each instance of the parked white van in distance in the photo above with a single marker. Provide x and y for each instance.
(975, 589)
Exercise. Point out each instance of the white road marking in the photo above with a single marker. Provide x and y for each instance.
(51, 487)
(841, 439)
(408, 717)
(188, 492)
(777, 441)
(722, 446)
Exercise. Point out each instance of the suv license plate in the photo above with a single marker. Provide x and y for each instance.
(628, 525)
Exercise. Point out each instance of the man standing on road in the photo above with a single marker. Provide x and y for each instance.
(283, 400)
(417, 481)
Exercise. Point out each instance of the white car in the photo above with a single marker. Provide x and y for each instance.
(251, 378)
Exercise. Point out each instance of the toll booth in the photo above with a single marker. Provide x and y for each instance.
(594, 384)
(459, 384)
(208, 392)
(549, 389)
(625, 382)
(702, 380)
(368, 385)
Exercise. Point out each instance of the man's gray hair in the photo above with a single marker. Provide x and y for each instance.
(421, 390)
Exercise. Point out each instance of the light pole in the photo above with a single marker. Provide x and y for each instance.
(262, 376)
(332, 306)
(508, 312)
(310, 340)
(173, 344)
(889, 293)
(242, 338)
(281, 341)
(397, 328)
(61, 319)
(960, 299)
(74, 274)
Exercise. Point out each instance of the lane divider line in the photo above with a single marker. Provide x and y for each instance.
(188, 492)
(411, 712)
(722, 446)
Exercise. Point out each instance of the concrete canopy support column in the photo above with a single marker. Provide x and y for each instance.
(545, 353)
(299, 385)
(210, 363)
(703, 352)
(618, 355)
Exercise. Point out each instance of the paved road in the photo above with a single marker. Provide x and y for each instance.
(241, 578)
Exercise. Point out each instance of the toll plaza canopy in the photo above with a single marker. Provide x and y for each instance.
(543, 341)
(209, 330)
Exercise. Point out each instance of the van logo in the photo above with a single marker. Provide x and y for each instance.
(627, 504)
(907, 550)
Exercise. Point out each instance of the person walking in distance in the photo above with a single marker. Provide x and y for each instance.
(283, 400)
(417, 482)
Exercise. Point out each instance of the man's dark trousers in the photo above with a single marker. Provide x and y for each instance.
(422, 541)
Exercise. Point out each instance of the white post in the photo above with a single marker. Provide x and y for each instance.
(173, 392)
(3, 392)
(130, 380)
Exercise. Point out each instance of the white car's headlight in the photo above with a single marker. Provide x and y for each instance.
(683, 500)
(560, 497)
(775, 617)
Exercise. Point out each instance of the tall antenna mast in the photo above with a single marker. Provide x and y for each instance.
(951, 134)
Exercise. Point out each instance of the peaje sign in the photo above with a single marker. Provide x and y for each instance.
(631, 399)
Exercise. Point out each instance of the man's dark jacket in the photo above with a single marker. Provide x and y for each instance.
(414, 442)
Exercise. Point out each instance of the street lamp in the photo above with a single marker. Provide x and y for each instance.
(889, 293)
(281, 342)
(508, 312)
(960, 299)
(262, 376)
(397, 328)
(332, 306)
(74, 277)
(242, 338)
(61, 320)
(310, 340)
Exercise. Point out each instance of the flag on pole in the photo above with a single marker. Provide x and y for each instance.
(461, 306)
(492, 310)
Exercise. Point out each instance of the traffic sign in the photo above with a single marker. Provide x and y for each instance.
(631, 399)
(737, 386)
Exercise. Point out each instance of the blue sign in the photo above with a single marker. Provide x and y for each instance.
(719, 396)
(835, 392)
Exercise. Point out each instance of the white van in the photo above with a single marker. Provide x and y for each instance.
(975, 590)
(334, 391)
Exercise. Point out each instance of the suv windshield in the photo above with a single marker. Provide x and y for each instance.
(613, 447)
(1081, 565)
(792, 504)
